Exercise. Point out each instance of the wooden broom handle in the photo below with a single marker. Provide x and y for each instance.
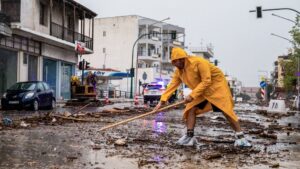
(142, 115)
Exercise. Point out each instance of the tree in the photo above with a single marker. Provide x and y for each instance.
(291, 67)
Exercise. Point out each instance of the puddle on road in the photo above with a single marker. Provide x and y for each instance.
(150, 144)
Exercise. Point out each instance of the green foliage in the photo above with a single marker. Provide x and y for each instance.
(291, 68)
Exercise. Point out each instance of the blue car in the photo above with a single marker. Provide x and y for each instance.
(32, 94)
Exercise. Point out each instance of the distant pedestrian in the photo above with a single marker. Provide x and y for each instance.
(92, 80)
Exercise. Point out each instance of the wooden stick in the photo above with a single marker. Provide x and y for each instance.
(82, 108)
(142, 115)
(73, 118)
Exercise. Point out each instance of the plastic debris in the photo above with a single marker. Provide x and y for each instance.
(67, 114)
(7, 121)
(23, 124)
(53, 120)
(120, 142)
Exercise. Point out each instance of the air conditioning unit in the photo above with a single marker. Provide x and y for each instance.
(177, 43)
(155, 55)
(155, 38)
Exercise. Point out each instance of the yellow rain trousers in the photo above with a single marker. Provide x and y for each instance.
(206, 81)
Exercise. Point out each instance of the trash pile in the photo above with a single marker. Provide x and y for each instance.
(54, 118)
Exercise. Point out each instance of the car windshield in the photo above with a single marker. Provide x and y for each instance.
(151, 87)
(23, 86)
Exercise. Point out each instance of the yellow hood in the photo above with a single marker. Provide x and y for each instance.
(178, 53)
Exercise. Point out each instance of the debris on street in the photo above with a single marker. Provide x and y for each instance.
(75, 136)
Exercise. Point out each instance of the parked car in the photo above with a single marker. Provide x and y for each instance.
(31, 94)
(152, 93)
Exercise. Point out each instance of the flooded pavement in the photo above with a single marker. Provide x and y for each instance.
(147, 142)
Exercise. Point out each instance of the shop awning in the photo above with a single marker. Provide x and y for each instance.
(110, 75)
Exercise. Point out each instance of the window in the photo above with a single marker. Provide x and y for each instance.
(46, 86)
(104, 50)
(40, 86)
(43, 14)
(104, 33)
(12, 9)
(25, 59)
(32, 67)
(70, 24)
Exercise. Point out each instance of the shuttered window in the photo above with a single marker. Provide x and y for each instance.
(11, 8)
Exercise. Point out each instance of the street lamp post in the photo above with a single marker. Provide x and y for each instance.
(259, 10)
(276, 9)
(284, 18)
(132, 56)
(298, 59)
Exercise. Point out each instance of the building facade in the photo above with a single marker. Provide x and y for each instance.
(279, 71)
(205, 52)
(133, 41)
(251, 91)
(42, 42)
(235, 86)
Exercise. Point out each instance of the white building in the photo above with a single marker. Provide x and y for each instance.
(235, 85)
(116, 37)
(205, 52)
(41, 46)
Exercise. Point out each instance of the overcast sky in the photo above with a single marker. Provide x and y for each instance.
(243, 44)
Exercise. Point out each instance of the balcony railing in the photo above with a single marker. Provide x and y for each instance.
(142, 53)
(70, 35)
(149, 53)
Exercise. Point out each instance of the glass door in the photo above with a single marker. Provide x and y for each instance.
(49, 73)
(66, 73)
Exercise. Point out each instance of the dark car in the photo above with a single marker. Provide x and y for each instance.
(32, 94)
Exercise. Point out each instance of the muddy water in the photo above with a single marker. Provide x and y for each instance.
(150, 143)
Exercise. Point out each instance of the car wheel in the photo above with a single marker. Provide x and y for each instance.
(53, 104)
(35, 105)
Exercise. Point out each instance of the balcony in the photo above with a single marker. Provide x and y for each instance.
(148, 56)
(172, 42)
(70, 35)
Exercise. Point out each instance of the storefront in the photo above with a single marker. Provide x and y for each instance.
(8, 69)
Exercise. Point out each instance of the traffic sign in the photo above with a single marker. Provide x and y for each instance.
(298, 74)
(144, 76)
(263, 84)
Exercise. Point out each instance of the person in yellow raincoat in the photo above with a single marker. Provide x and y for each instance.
(210, 91)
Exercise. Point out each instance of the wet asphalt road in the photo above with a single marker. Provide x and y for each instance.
(150, 142)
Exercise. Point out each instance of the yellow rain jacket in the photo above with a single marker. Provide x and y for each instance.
(206, 81)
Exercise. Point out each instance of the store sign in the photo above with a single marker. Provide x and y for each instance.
(263, 84)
